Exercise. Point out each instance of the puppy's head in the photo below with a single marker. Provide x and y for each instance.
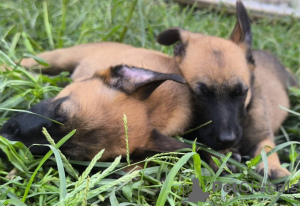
(95, 107)
(219, 73)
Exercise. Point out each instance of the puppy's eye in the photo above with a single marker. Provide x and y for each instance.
(203, 90)
(61, 118)
(240, 91)
(59, 114)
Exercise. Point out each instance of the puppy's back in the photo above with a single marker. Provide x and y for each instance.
(269, 62)
(274, 79)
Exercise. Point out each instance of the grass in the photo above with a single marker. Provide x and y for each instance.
(28, 27)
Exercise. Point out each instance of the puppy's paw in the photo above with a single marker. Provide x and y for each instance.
(28, 63)
(235, 155)
(4, 68)
(274, 171)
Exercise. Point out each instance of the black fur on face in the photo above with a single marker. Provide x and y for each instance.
(27, 128)
(224, 105)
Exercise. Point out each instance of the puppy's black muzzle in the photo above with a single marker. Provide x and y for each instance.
(226, 139)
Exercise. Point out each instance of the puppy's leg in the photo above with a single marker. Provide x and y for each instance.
(59, 60)
(274, 167)
(66, 59)
(258, 133)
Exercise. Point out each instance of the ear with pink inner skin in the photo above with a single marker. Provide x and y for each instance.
(135, 81)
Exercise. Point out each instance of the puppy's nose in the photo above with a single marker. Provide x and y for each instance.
(226, 139)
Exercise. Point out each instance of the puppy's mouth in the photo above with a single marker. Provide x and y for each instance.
(217, 144)
(222, 145)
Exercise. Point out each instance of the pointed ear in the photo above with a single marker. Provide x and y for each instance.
(169, 36)
(241, 34)
(172, 36)
(136, 81)
(159, 143)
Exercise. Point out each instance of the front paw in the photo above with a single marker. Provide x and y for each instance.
(274, 171)
(4, 68)
(235, 155)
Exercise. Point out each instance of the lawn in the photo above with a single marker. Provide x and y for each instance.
(28, 27)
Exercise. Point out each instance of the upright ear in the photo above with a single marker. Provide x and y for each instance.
(136, 81)
(159, 143)
(241, 34)
(172, 36)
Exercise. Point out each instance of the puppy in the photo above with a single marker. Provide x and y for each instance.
(104, 89)
(238, 88)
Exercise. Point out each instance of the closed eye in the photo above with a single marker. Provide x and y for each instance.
(239, 90)
(59, 115)
(203, 90)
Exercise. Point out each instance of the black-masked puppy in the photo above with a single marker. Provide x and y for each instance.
(104, 89)
(237, 88)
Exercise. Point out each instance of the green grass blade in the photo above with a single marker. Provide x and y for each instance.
(15, 180)
(166, 188)
(63, 23)
(93, 180)
(6, 60)
(197, 166)
(61, 171)
(66, 163)
(37, 59)
(60, 143)
(258, 159)
(27, 42)
(219, 170)
(9, 149)
(127, 21)
(290, 111)
(16, 202)
(265, 162)
(112, 198)
(126, 139)
(248, 197)
(15, 100)
(89, 168)
(47, 24)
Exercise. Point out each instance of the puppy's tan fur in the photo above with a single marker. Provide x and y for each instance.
(222, 64)
(96, 110)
